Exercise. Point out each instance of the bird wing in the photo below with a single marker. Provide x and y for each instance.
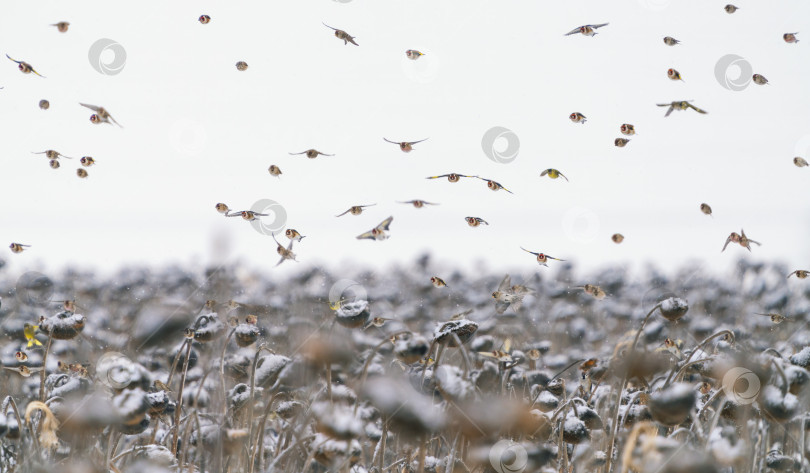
(414, 142)
(527, 251)
(344, 213)
(91, 107)
(18, 62)
(385, 223)
(505, 284)
(324, 154)
(351, 40)
(366, 236)
(324, 24)
(671, 108)
(598, 26)
(563, 176)
(501, 306)
(437, 177)
(728, 240)
(302, 152)
(574, 31)
(696, 109)
(394, 142)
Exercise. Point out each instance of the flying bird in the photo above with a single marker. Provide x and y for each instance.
(340, 34)
(405, 146)
(577, 117)
(542, 258)
(706, 209)
(759, 79)
(24, 67)
(417, 203)
(800, 273)
(101, 115)
(680, 105)
(587, 30)
(674, 75)
(62, 26)
(494, 185)
(743, 240)
(508, 295)
(475, 221)
(293, 234)
(377, 233)
(286, 253)
(18, 247)
(452, 177)
(311, 153)
(730, 8)
(670, 41)
(621, 142)
(627, 129)
(413, 54)
(790, 37)
(800, 162)
(355, 210)
(553, 174)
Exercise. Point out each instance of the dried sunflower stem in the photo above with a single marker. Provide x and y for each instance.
(252, 391)
(44, 367)
(222, 372)
(700, 347)
(179, 408)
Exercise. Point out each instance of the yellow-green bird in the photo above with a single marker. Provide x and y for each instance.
(680, 105)
(553, 173)
(30, 331)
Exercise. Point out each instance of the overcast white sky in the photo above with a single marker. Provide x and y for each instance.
(197, 131)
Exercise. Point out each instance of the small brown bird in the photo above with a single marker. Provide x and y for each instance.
(44, 104)
(62, 26)
(553, 174)
(23, 370)
(81, 173)
(405, 146)
(674, 75)
(617, 238)
(790, 37)
(596, 291)
(417, 203)
(509, 295)
(222, 208)
(586, 30)
(706, 208)
(52, 154)
(437, 282)
(340, 34)
(452, 177)
(311, 153)
(759, 79)
(274, 170)
(204, 19)
(542, 258)
(377, 233)
(248, 215)
(54, 164)
(775, 318)
(670, 41)
(475, 221)
(293, 234)
(577, 117)
(355, 210)
(800, 162)
(621, 142)
(21, 356)
(241, 66)
(800, 273)
(87, 161)
(680, 105)
(101, 115)
(24, 67)
(730, 8)
(285, 253)
(413, 54)
(744, 241)
(18, 247)
(627, 129)
(494, 185)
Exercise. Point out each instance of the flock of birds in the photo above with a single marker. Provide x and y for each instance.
(380, 231)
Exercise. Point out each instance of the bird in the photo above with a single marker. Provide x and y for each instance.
(596, 291)
(706, 209)
(680, 105)
(800, 162)
(87, 161)
(508, 295)
(355, 210)
(44, 104)
(494, 185)
(52, 154)
(670, 41)
(800, 273)
(587, 30)
(30, 330)
(577, 117)
(286, 253)
(241, 66)
(293, 234)
(18, 247)
(759, 79)
(553, 174)
(101, 115)
(377, 233)
(621, 142)
(452, 177)
(311, 153)
(627, 129)
(24, 67)
(340, 34)
(790, 37)
(204, 19)
(222, 208)
(743, 240)
(674, 75)
(438, 282)
(23, 370)
(542, 258)
(413, 54)
(417, 203)
(775, 318)
(617, 238)
(274, 170)
(81, 173)
(730, 8)
(475, 221)
(248, 215)
(62, 26)
(405, 146)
